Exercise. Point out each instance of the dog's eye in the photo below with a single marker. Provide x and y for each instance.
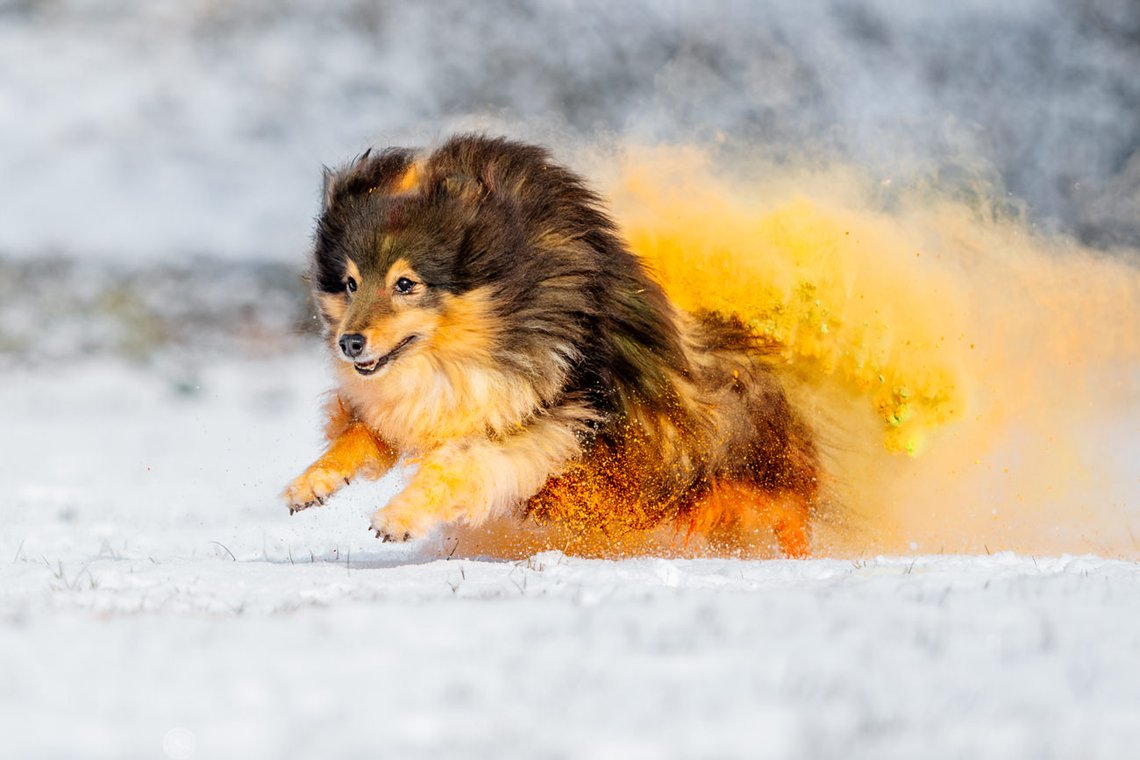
(404, 286)
(350, 285)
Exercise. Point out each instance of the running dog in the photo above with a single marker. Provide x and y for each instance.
(491, 326)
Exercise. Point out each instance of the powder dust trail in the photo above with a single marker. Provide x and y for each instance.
(974, 385)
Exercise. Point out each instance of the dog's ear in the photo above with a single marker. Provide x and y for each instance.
(386, 171)
(328, 188)
(461, 187)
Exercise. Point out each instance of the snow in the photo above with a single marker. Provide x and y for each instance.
(156, 600)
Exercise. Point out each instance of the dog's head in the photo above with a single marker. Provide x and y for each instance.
(390, 271)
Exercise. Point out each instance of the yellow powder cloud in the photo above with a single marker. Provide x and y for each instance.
(969, 379)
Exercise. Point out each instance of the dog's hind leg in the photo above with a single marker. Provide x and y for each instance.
(732, 515)
(789, 518)
(353, 450)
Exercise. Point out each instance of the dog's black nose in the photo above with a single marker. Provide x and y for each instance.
(352, 344)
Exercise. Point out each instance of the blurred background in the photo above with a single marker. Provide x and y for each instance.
(160, 161)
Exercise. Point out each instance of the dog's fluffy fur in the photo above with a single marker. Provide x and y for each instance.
(510, 344)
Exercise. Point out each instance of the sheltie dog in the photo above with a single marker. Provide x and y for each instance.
(492, 327)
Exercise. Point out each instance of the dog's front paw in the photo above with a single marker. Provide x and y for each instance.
(394, 523)
(312, 487)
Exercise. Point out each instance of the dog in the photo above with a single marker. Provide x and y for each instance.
(489, 323)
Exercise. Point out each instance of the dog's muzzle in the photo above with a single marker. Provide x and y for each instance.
(353, 345)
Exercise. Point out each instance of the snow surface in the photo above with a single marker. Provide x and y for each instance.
(156, 600)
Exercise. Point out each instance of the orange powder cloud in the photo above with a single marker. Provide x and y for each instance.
(974, 384)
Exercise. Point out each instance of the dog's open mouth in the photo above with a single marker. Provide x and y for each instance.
(367, 368)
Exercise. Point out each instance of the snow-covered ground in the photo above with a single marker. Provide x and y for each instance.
(157, 601)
